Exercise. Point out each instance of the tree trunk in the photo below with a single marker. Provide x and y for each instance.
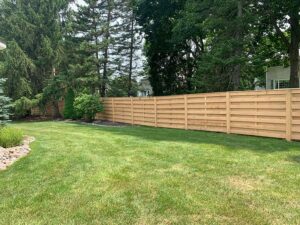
(55, 110)
(294, 49)
(97, 56)
(131, 56)
(236, 77)
(106, 55)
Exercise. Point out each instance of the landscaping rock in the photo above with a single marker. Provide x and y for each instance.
(10, 155)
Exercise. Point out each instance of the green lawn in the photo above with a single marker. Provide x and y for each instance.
(78, 174)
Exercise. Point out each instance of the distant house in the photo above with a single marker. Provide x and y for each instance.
(145, 88)
(278, 77)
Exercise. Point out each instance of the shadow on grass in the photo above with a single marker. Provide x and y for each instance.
(231, 142)
(294, 158)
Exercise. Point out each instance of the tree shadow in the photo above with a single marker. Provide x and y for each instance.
(294, 158)
(230, 142)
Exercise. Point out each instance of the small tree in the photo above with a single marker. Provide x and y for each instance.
(69, 105)
(87, 106)
(5, 105)
(22, 107)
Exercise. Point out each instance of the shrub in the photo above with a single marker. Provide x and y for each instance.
(86, 106)
(69, 105)
(22, 107)
(10, 137)
(38, 101)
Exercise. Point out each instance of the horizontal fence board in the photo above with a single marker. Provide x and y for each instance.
(258, 113)
(271, 113)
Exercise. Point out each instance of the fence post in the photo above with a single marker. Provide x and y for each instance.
(113, 109)
(186, 112)
(228, 112)
(289, 115)
(205, 115)
(155, 111)
(132, 118)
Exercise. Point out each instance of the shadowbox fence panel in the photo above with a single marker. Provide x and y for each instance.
(274, 113)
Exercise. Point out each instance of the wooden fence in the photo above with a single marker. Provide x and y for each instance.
(260, 113)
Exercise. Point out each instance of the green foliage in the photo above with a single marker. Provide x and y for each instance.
(69, 112)
(35, 51)
(191, 45)
(38, 101)
(10, 137)
(170, 70)
(207, 46)
(22, 107)
(5, 105)
(53, 93)
(54, 89)
(17, 70)
(89, 34)
(87, 106)
(118, 87)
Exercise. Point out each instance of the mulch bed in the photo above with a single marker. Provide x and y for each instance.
(35, 119)
(95, 123)
(106, 123)
(10, 155)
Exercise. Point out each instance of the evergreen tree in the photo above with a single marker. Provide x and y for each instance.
(107, 11)
(17, 70)
(5, 105)
(69, 112)
(226, 26)
(118, 87)
(35, 26)
(85, 35)
(130, 45)
(93, 28)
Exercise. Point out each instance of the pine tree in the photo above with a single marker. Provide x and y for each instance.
(112, 17)
(17, 70)
(85, 36)
(35, 26)
(107, 11)
(130, 45)
(94, 27)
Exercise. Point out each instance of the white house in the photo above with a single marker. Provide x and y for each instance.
(278, 77)
(145, 88)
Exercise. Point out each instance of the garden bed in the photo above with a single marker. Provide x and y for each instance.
(10, 155)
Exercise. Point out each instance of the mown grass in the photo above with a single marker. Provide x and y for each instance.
(78, 174)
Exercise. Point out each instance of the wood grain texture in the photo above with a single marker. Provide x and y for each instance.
(260, 113)
(272, 113)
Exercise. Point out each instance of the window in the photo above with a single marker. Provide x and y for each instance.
(280, 84)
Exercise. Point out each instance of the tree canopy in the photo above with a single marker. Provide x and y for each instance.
(104, 47)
